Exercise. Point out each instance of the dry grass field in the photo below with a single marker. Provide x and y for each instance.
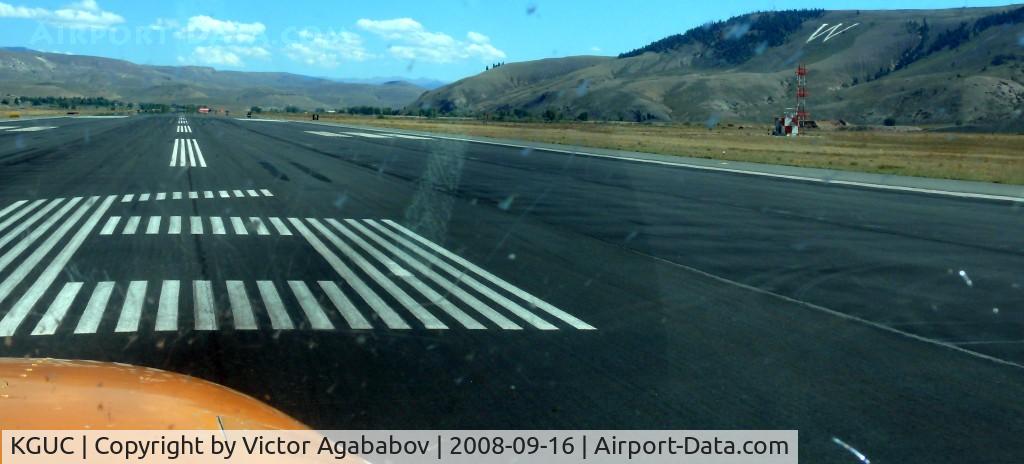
(969, 156)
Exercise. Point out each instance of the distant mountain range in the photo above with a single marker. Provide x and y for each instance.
(953, 66)
(424, 82)
(25, 72)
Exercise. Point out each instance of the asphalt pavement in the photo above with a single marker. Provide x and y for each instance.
(371, 279)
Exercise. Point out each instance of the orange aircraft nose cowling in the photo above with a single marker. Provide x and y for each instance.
(39, 394)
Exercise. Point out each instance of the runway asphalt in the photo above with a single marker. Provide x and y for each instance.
(367, 279)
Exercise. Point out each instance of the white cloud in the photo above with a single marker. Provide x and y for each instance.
(391, 28)
(327, 49)
(480, 46)
(202, 27)
(85, 14)
(224, 55)
(414, 42)
(218, 42)
(595, 49)
(477, 37)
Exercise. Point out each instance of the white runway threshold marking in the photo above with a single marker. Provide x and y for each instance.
(30, 297)
(385, 277)
(357, 305)
(205, 195)
(186, 153)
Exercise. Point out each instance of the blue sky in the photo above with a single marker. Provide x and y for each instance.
(441, 39)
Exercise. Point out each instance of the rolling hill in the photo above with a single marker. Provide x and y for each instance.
(26, 72)
(954, 66)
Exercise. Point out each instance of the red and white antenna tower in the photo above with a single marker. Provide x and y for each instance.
(801, 96)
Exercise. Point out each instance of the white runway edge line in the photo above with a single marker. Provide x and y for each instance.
(327, 134)
(373, 135)
(14, 317)
(410, 137)
(32, 129)
(818, 180)
(369, 135)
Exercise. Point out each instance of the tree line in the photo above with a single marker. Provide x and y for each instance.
(950, 39)
(736, 39)
(74, 103)
(67, 102)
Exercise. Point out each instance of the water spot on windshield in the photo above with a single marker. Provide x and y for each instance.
(967, 279)
(793, 58)
(506, 203)
(737, 31)
(712, 121)
(583, 88)
(340, 201)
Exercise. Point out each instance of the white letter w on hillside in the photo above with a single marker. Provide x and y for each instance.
(832, 31)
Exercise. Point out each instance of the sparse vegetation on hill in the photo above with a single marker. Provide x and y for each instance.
(949, 39)
(737, 39)
(950, 67)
